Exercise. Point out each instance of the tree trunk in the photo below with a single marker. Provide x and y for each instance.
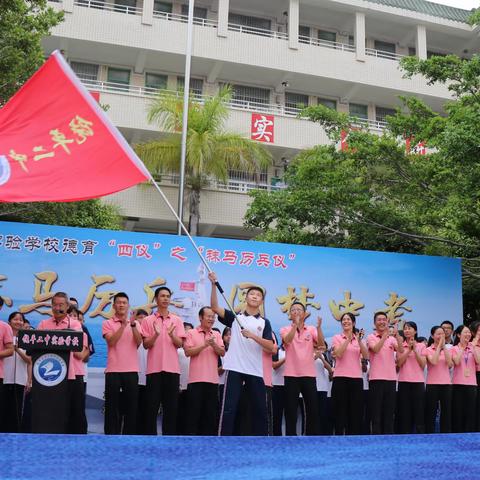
(194, 207)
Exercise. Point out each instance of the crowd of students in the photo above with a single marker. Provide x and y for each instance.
(246, 381)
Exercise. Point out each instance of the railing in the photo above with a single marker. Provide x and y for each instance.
(326, 43)
(175, 17)
(257, 31)
(383, 54)
(100, 4)
(370, 124)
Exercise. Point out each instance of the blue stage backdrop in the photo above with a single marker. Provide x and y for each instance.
(92, 265)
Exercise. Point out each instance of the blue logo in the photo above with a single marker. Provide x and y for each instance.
(4, 169)
(49, 370)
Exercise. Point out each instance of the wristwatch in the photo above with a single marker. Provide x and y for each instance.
(134, 324)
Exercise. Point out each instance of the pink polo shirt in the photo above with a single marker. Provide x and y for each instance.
(299, 360)
(349, 365)
(79, 365)
(6, 337)
(411, 371)
(163, 356)
(204, 366)
(382, 364)
(123, 356)
(438, 374)
(464, 373)
(65, 324)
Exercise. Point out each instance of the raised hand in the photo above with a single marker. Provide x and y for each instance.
(171, 329)
(156, 328)
(212, 276)
(319, 322)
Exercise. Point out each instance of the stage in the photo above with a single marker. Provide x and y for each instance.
(95, 457)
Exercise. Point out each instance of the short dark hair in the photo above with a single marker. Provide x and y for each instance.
(73, 299)
(73, 308)
(202, 310)
(377, 314)
(141, 311)
(120, 295)
(61, 295)
(159, 289)
(258, 289)
(187, 324)
(216, 329)
(2, 301)
(298, 303)
(10, 317)
(448, 322)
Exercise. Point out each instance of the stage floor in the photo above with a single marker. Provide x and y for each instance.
(92, 457)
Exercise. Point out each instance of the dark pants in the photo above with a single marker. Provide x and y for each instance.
(438, 396)
(477, 409)
(307, 386)
(324, 414)
(255, 389)
(268, 391)
(464, 399)
(162, 388)
(382, 405)
(12, 407)
(77, 420)
(278, 408)
(347, 396)
(121, 393)
(182, 413)
(141, 409)
(411, 407)
(202, 408)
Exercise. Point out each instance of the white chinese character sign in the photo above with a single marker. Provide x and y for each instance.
(262, 127)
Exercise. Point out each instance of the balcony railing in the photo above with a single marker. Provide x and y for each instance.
(326, 43)
(383, 54)
(100, 4)
(257, 31)
(175, 17)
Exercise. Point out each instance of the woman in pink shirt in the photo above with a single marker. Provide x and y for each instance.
(439, 388)
(465, 356)
(347, 389)
(411, 382)
(475, 328)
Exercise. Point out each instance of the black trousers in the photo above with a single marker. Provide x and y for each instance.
(268, 391)
(278, 408)
(464, 399)
(411, 407)
(162, 388)
(477, 409)
(255, 389)
(382, 406)
(438, 396)
(201, 409)
(141, 409)
(77, 419)
(121, 393)
(325, 424)
(12, 407)
(347, 399)
(307, 386)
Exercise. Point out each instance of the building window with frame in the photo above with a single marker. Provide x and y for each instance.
(196, 85)
(385, 49)
(155, 80)
(125, 6)
(162, 7)
(327, 102)
(99, 4)
(381, 113)
(303, 34)
(248, 24)
(85, 71)
(326, 36)
(250, 96)
(358, 110)
(198, 12)
(295, 102)
(120, 77)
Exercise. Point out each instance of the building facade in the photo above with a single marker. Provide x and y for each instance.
(278, 55)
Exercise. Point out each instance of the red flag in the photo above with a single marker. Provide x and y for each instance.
(57, 144)
(187, 286)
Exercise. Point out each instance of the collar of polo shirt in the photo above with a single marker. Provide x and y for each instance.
(246, 314)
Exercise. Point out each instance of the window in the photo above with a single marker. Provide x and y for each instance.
(120, 77)
(196, 85)
(125, 6)
(326, 102)
(163, 7)
(243, 95)
(351, 40)
(359, 111)
(154, 80)
(412, 51)
(257, 25)
(198, 12)
(327, 36)
(92, 3)
(381, 113)
(431, 54)
(385, 46)
(295, 101)
(260, 177)
(303, 34)
(85, 71)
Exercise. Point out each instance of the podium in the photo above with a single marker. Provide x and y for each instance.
(50, 352)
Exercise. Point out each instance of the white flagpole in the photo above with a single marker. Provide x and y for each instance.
(186, 94)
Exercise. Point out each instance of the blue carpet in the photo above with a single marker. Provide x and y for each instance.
(429, 457)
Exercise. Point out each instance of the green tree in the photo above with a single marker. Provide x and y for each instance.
(23, 24)
(211, 152)
(376, 195)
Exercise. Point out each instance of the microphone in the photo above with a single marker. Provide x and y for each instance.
(61, 312)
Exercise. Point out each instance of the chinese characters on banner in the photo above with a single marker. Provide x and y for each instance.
(262, 128)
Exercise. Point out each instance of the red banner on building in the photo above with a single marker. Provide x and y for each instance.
(56, 143)
(187, 286)
(262, 127)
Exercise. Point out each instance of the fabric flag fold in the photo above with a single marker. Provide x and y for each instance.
(57, 144)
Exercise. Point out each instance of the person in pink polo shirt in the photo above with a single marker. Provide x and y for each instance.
(347, 390)
(411, 382)
(77, 421)
(163, 333)
(475, 328)
(300, 341)
(204, 346)
(123, 337)
(466, 357)
(6, 350)
(383, 374)
(439, 389)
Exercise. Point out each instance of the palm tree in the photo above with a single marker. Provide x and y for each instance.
(211, 152)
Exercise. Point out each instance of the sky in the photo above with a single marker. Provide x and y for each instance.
(465, 4)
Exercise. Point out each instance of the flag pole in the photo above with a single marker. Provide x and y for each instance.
(186, 94)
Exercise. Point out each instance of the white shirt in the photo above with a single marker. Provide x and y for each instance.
(323, 382)
(277, 375)
(184, 362)
(15, 370)
(142, 353)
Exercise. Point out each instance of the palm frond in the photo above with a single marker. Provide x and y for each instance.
(160, 157)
